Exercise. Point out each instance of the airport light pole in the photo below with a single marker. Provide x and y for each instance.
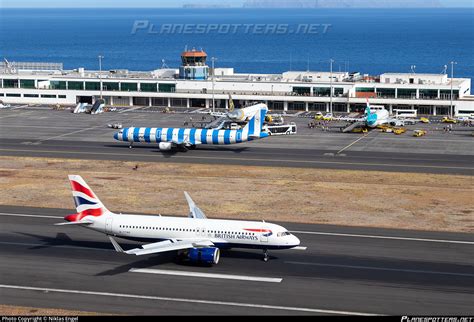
(213, 59)
(330, 91)
(452, 79)
(100, 74)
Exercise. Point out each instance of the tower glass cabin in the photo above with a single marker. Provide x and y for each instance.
(194, 65)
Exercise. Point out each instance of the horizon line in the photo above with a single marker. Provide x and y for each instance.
(200, 8)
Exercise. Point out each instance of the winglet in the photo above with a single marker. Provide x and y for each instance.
(194, 211)
(116, 245)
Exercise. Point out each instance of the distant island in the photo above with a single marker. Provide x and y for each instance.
(204, 5)
(342, 4)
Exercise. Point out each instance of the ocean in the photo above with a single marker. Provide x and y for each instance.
(369, 41)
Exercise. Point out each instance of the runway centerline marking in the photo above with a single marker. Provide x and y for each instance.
(182, 300)
(243, 159)
(387, 237)
(351, 144)
(25, 215)
(382, 269)
(206, 275)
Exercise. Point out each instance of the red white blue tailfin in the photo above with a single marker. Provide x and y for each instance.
(87, 203)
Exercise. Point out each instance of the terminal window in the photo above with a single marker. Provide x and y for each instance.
(75, 85)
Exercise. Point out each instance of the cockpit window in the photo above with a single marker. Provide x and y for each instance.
(283, 233)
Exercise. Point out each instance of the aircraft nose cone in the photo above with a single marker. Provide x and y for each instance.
(296, 241)
(116, 136)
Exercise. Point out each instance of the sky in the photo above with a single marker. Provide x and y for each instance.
(149, 3)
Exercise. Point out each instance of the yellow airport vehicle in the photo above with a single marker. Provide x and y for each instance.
(448, 120)
(399, 130)
(418, 133)
(360, 130)
(424, 120)
(320, 117)
(386, 129)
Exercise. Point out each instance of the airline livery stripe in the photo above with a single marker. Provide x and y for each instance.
(215, 136)
(135, 134)
(227, 137)
(239, 136)
(180, 135)
(125, 134)
(160, 133)
(147, 135)
(76, 186)
(169, 135)
(192, 137)
(251, 126)
(82, 201)
(203, 136)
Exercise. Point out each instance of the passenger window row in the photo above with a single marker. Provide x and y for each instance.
(183, 229)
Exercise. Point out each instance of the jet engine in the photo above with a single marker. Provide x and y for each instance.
(205, 255)
(165, 146)
(236, 115)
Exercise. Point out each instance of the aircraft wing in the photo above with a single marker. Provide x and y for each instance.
(350, 119)
(194, 211)
(168, 245)
(218, 114)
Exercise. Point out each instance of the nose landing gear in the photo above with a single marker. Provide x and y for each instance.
(265, 255)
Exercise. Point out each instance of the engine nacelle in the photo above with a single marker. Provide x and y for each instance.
(165, 146)
(205, 255)
(236, 115)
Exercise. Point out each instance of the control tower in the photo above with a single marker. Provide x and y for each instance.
(194, 65)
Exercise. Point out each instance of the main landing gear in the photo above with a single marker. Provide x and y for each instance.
(131, 145)
(265, 255)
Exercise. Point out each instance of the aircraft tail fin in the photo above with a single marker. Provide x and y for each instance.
(255, 124)
(86, 201)
(367, 109)
(231, 104)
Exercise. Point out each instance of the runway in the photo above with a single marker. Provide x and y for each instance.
(343, 270)
(246, 155)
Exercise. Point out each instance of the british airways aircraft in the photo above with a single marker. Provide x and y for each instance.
(189, 138)
(195, 237)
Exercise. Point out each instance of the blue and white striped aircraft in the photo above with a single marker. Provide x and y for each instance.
(188, 138)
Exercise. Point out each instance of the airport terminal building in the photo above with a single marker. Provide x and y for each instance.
(197, 85)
